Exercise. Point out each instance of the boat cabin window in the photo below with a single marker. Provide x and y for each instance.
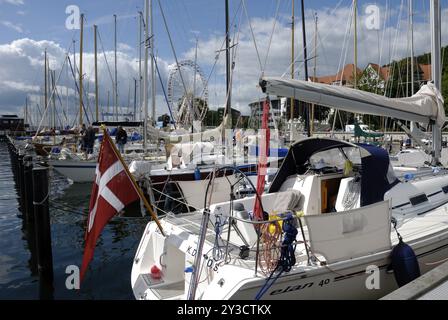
(445, 189)
(418, 199)
(334, 159)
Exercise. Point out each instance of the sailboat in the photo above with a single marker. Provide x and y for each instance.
(337, 216)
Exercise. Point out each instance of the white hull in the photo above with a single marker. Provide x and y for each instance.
(347, 240)
(76, 171)
(343, 280)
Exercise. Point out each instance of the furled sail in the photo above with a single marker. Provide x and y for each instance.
(424, 106)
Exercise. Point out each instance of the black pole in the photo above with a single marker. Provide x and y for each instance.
(135, 100)
(229, 104)
(305, 58)
(21, 184)
(43, 232)
(28, 188)
(29, 213)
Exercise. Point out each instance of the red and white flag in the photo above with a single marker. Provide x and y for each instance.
(263, 149)
(112, 190)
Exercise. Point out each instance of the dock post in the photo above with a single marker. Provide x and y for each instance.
(28, 188)
(20, 183)
(29, 213)
(43, 232)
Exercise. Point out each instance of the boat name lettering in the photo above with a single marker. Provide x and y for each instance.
(211, 262)
(292, 288)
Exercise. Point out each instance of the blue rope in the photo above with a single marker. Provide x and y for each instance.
(217, 252)
(287, 258)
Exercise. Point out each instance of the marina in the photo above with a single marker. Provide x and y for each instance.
(186, 184)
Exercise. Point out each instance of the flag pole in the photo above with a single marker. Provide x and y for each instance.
(134, 183)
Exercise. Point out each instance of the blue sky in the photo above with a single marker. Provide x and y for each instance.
(45, 19)
(27, 27)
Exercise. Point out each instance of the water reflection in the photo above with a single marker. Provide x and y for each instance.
(109, 273)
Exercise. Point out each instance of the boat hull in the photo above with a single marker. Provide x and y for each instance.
(345, 280)
(76, 171)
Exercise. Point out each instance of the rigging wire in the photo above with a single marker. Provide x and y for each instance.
(175, 55)
(287, 70)
(105, 58)
(270, 38)
(253, 36)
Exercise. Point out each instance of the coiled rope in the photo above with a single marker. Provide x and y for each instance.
(287, 255)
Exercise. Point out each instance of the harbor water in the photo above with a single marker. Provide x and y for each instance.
(108, 276)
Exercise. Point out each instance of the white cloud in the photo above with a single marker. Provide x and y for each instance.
(124, 47)
(22, 74)
(12, 26)
(13, 2)
(332, 31)
(22, 60)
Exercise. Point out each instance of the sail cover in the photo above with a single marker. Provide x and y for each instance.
(425, 106)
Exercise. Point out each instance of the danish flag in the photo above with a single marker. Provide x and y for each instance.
(112, 190)
(263, 159)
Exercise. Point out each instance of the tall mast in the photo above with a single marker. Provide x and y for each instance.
(116, 81)
(66, 90)
(96, 73)
(26, 109)
(140, 78)
(355, 44)
(228, 91)
(305, 58)
(411, 23)
(145, 76)
(292, 61)
(135, 99)
(314, 68)
(411, 20)
(46, 83)
(49, 93)
(53, 85)
(194, 85)
(435, 18)
(153, 77)
(80, 68)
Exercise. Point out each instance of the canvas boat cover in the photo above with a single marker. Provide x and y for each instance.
(377, 173)
(425, 106)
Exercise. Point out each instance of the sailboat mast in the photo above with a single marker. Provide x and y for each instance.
(355, 44)
(314, 68)
(411, 26)
(411, 20)
(292, 62)
(145, 76)
(26, 109)
(135, 99)
(80, 68)
(53, 85)
(305, 58)
(115, 62)
(140, 78)
(435, 18)
(96, 71)
(153, 70)
(229, 96)
(46, 83)
(194, 85)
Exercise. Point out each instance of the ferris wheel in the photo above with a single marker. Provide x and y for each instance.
(187, 92)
